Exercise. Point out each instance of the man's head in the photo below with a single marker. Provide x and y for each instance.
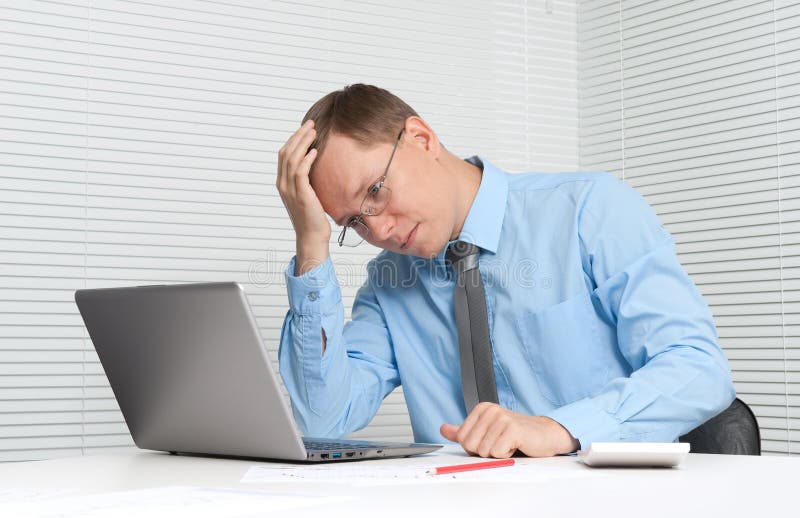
(365, 113)
(357, 129)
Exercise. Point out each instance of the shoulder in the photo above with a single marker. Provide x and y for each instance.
(571, 184)
(617, 226)
(611, 200)
(574, 191)
(591, 192)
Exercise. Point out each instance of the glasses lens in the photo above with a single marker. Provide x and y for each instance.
(354, 233)
(376, 201)
(361, 228)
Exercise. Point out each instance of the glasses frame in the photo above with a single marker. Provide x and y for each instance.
(355, 221)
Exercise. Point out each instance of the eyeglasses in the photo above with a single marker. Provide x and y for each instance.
(375, 201)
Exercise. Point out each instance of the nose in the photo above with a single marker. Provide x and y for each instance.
(381, 226)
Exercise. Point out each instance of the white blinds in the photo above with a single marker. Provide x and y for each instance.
(138, 142)
(696, 105)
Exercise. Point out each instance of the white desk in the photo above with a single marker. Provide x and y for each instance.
(704, 485)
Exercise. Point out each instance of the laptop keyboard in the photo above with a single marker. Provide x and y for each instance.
(333, 445)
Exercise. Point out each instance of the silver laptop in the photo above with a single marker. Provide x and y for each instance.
(191, 375)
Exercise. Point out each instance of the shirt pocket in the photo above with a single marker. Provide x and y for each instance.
(562, 347)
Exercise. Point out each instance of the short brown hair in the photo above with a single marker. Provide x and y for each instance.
(367, 114)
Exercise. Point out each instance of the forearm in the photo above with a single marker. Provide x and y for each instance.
(319, 384)
(310, 254)
(332, 393)
(672, 394)
(318, 381)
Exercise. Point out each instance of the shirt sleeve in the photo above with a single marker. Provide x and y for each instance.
(339, 391)
(680, 377)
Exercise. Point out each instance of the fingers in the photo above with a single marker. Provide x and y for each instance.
(291, 143)
(312, 229)
(493, 431)
(506, 441)
(449, 432)
(292, 156)
(473, 429)
(308, 159)
(489, 431)
(302, 170)
(296, 156)
(493, 442)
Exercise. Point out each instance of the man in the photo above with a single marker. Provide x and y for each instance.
(597, 333)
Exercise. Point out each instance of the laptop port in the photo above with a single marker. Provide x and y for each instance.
(323, 455)
(350, 453)
(336, 455)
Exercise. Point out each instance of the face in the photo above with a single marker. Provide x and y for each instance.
(420, 216)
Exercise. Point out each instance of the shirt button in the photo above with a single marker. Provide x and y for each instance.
(313, 295)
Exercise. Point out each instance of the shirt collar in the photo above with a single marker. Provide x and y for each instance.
(485, 218)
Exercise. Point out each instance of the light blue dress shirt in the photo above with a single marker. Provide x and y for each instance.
(593, 321)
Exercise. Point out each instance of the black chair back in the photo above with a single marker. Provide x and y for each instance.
(734, 431)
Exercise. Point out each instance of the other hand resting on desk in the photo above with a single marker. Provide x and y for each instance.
(493, 431)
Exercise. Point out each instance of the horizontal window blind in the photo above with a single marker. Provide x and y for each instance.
(695, 104)
(138, 145)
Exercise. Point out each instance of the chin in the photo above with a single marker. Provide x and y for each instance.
(426, 253)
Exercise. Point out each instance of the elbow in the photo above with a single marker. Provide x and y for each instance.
(722, 393)
(728, 394)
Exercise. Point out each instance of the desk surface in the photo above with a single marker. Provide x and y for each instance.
(704, 485)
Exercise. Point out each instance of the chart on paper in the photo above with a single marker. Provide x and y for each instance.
(376, 473)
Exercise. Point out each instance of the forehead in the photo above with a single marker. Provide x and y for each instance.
(343, 172)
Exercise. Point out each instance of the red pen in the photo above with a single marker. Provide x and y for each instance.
(444, 470)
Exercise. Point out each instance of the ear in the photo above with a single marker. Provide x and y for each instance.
(418, 133)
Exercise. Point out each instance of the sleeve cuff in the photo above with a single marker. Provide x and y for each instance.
(586, 422)
(308, 292)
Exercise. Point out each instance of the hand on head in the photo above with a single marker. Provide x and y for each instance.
(311, 226)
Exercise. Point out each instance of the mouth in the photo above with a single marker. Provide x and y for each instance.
(410, 238)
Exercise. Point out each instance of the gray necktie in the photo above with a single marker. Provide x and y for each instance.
(472, 321)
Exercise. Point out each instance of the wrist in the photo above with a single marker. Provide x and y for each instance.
(310, 255)
(564, 442)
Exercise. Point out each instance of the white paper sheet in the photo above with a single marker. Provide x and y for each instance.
(30, 494)
(377, 473)
(174, 501)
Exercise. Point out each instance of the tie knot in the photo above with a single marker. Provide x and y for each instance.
(462, 249)
(463, 256)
